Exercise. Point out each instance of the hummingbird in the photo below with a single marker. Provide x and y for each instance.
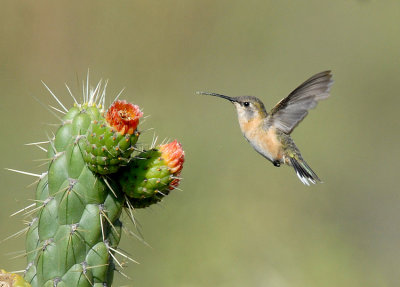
(269, 133)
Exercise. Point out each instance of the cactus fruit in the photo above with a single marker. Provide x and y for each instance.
(93, 174)
(152, 174)
(12, 280)
(110, 140)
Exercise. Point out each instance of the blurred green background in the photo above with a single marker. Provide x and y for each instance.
(239, 220)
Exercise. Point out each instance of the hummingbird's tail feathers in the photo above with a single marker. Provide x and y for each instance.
(304, 172)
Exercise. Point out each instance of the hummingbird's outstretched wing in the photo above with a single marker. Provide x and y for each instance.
(289, 112)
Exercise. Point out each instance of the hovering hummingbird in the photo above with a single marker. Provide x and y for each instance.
(269, 133)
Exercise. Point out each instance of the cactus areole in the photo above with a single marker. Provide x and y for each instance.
(95, 172)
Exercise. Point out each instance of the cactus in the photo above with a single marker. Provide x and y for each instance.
(95, 171)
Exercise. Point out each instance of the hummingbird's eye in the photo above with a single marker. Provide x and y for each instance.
(246, 104)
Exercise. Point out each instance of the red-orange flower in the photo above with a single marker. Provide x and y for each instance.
(173, 154)
(124, 117)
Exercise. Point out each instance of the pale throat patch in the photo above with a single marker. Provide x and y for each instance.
(243, 114)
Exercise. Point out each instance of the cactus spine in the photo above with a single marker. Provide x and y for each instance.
(94, 173)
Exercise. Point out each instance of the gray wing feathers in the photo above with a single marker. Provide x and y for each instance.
(290, 111)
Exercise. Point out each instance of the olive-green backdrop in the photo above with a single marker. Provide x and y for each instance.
(239, 221)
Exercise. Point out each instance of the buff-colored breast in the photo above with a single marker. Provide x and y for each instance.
(265, 142)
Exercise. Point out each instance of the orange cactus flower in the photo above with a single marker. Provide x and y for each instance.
(173, 154)
(124, 117)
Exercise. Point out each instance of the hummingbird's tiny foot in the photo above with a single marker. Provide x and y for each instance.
(277, 163)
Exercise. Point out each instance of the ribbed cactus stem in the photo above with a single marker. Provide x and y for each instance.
(94, 172)
(77, 213)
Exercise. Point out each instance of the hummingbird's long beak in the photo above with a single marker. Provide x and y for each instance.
(217, 95)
